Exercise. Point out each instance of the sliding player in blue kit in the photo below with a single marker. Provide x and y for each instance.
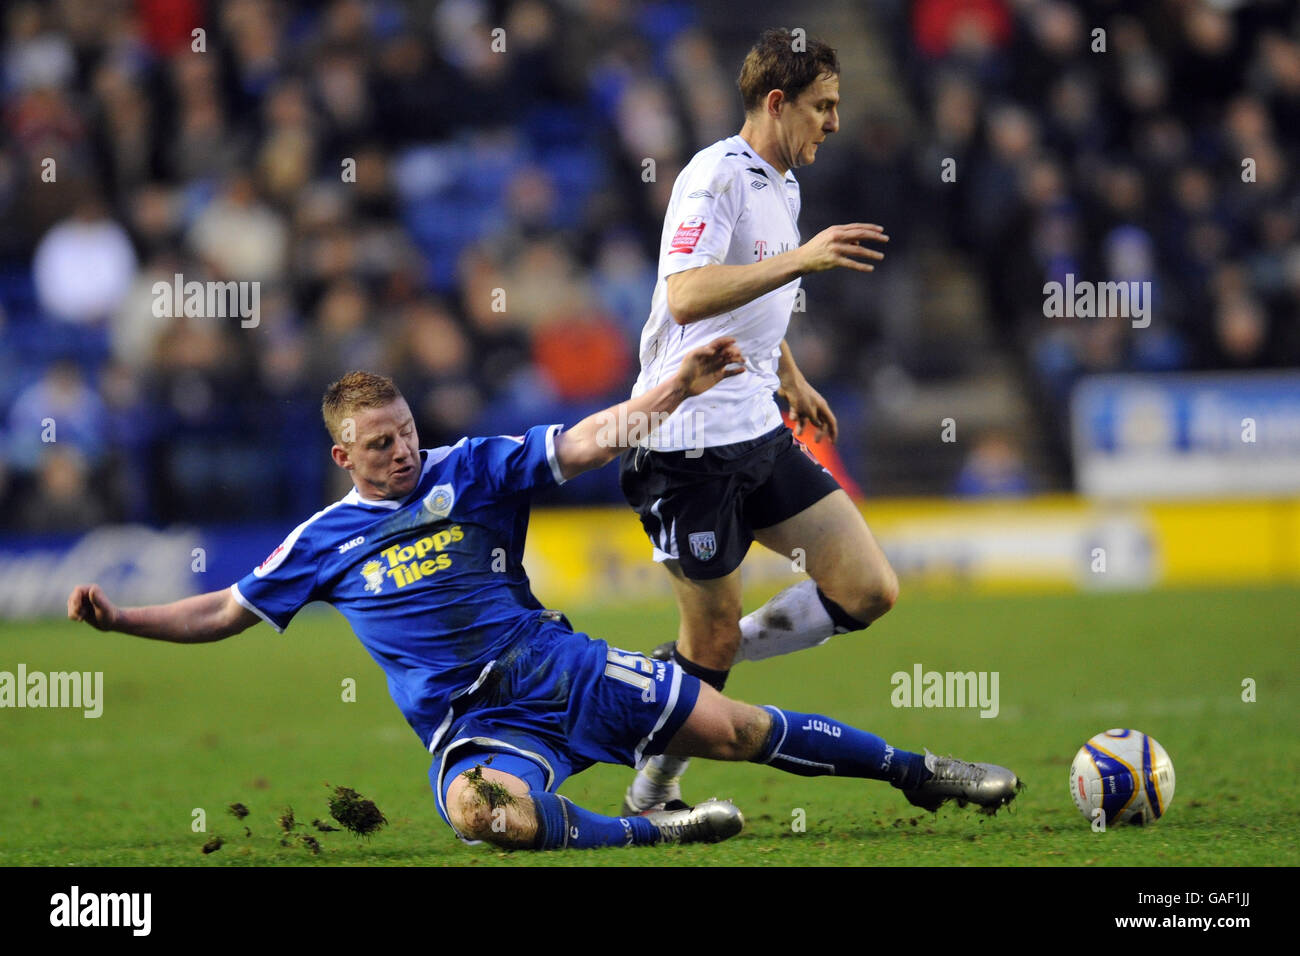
(424, 559)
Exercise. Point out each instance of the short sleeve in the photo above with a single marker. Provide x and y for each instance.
(517, 463)
(702, 221)
(279, 587)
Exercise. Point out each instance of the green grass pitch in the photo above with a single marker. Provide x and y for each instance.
(260, 719)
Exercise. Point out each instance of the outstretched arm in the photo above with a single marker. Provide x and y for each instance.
(194, 620)
(599, 438)
(706, 291)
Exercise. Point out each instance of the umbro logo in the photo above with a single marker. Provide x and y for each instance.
(700, 194)
(756, 184)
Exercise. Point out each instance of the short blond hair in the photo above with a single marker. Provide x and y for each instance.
(354, 391)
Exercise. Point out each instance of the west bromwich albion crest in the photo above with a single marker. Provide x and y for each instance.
(703, 545)
(438, 502)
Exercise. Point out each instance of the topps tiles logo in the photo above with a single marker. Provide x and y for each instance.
(78, 909)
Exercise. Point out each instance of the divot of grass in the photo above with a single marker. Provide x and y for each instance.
(355, 812)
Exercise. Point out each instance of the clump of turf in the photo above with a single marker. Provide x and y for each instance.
(324, 827)
(237, 810)
(286, 820)
(213, 845)
(494, 793)
(355, 812)
(310, 842)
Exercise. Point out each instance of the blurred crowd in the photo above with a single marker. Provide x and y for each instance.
(1153, 142)
(468, 196)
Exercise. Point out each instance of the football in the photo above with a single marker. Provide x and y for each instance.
(1125, 775)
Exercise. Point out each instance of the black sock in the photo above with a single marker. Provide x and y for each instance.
(715, 679)
(842, 619)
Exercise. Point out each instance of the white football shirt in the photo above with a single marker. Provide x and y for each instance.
(728, 207)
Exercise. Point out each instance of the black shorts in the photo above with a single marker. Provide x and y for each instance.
(702, 511)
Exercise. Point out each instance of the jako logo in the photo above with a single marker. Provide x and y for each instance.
(1098, 300)
(102, 909)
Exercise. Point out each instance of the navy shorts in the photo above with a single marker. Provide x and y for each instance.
(701, 508)
(558, 702)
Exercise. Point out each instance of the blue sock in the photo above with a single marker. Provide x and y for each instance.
(811, 745)
(562, 824)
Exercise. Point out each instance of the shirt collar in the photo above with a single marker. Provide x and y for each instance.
(354, 497)
(744, 144)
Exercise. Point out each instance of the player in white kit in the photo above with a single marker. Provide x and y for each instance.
(724, 471)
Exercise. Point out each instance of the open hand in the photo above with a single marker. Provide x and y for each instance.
(709, 364)
(807, 407)
(841, 246)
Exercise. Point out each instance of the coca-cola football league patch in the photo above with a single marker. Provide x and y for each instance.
(687, 235)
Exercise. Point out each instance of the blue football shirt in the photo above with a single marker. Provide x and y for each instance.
(433, 585)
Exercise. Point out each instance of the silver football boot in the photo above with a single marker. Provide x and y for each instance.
(986, 785)
(709, 822)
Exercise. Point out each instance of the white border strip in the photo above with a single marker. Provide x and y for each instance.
(669, 707)
(550, 453)
(234, 589)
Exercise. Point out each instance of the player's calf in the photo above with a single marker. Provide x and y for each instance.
(720, 728)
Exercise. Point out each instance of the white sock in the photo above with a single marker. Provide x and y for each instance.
(791, 621)
(658, 782)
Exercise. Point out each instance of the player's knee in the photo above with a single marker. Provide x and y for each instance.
(869, 595)
(475, 818)
(884, 592)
